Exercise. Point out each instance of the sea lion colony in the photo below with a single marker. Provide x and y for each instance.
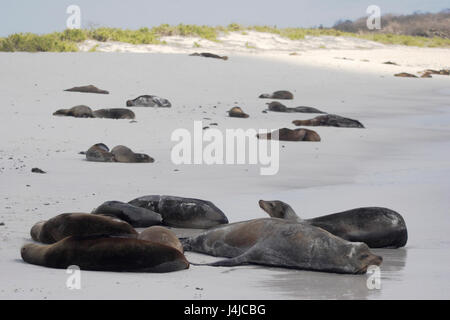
(106, 239)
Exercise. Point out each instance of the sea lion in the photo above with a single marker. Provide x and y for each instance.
(376, 227)
(285, 95)
(443, 72)
(126, 155)
(390, 62)
(209, 55)
(330, 120)
(87, 89)
(78, 224)
(99, 153)
(237, 112)
(106, 253)
(149, 101)
(77, 112)
(161, 235)
(181, 212)
(135, 216)
(286, 134)
(278, 107)
(280, 243)
(405, 75)
(115, 113)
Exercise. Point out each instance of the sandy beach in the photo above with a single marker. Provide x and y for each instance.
(400, 161)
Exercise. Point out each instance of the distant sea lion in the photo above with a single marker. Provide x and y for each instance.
(106, 253)
(181, 212)
(78, 224)
(278, 107)
(77, 112)
(330, 120)
(88, 89)
(286, 134)
(209, 55)
(161, 235)
(405, 75)
(286, 95)
(149, 101)
(281, 243)
(442, 72)
(135, 216)
(237, 112)
(390, 62)
(376, 227)
(100, 153)
(115, 113)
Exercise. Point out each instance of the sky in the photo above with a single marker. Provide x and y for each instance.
(44, 16)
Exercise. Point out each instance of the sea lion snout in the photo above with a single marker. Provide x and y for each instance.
(129, 103)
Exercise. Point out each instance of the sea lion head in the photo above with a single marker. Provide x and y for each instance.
(361, 258)
(278, 209)
(130, 103)
(36, 230)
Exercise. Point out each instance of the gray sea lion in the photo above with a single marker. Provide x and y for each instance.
(278, 107)
(376, 227)
(149, 101)
(330, 120)
(77, 112)
(285, 95)
(286, 134)
(390, 62)
(78, 224)
(181, 212)
(115, 113)
(405, 75)
(99, 153)
(126, 155)
(135, 216)
(161, 235)
(209, 55)
(237, 112)
(87, 89)
(106, 253)
(280, 243)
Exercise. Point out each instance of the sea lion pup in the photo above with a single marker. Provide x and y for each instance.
(106, 253)
(285, 95)
(115, 113)
(286, 134)
(281, 243)
(87, 89)
(376, 227)
(330, 120)
(149, 101)
(126, 155)
(77, 112)
(278, 107)
(99, 153)
(181, 212)
(135, 216)
(78, 224)
(209, 55)
(161, 235)
(237, 112)
(405, 75)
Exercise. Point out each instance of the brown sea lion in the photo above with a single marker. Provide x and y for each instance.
(161, 235)
(237, 112)
(280, 243)
(77, 112)
(405, 75)
(286, 95)
(99, 153)
(330, 120)
(286, 134)
(87, 89)
(78, 224)
(115, 113)
(135, 216)
(126, 155)
(377, 227)
(106, 253)
(278, 107)
(209, 55)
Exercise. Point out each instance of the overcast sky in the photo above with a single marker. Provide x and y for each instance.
(43, 16)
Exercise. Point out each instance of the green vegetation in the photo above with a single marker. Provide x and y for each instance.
(68, 40)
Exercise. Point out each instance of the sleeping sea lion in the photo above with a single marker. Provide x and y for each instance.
(161, 235)
(135, 216)
(77, 112)
(115, 113)
(237, 112)
(286, 95)
(278, 107)
(209, 55)
(149, 101)
(88, 89)
(286, 134)
(330, 120)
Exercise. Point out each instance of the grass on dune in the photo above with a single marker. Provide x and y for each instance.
(67, 41)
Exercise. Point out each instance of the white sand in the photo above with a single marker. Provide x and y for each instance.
(400, 161)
